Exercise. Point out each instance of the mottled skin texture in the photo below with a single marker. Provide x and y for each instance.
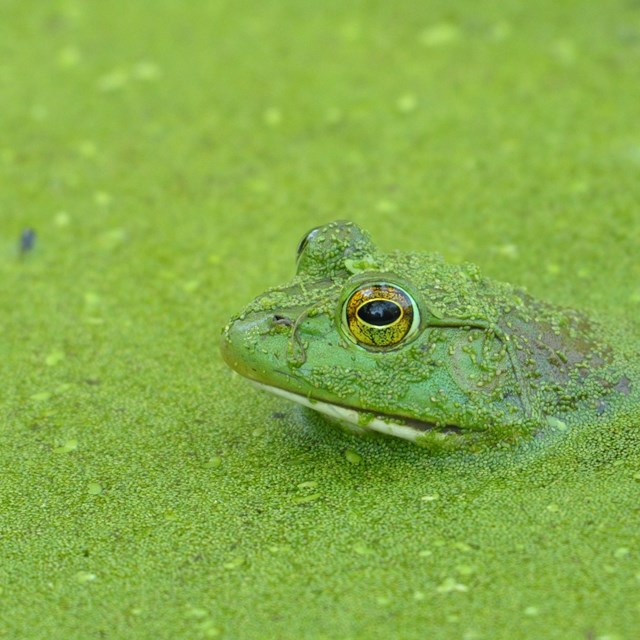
(487, 360)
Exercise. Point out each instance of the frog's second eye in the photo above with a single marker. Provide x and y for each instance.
(305, 241)
(380, 315)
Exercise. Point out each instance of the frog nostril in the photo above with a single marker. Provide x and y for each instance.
(282, 321)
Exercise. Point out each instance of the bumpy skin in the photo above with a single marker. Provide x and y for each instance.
(487, 360)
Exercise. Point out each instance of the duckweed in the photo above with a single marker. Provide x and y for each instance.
(202, 140)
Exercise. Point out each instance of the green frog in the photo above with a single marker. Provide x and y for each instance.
(409, 345)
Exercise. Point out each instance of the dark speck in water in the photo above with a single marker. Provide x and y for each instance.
(27, 241)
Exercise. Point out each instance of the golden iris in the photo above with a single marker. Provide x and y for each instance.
(380, 315)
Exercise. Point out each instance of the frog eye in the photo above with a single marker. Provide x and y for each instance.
(380, 315)
(305, 241)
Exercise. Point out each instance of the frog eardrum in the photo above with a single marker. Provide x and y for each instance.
(379, 316)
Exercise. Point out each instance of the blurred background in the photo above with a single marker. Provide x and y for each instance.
(471, 129)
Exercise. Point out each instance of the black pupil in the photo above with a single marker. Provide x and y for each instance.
(379, 313)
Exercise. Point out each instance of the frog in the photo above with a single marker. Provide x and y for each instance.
(409, 345)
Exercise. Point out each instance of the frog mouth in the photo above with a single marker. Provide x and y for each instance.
(358, 420)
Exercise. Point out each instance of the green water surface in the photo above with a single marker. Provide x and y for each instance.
(170, 155)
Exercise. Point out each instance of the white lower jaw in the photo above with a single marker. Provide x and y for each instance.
(345, 415)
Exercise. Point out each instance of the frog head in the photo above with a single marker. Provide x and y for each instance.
(409, 345)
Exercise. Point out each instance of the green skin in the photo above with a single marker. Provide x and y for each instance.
(487, 363)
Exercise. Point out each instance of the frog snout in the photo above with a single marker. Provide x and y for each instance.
(253, 344)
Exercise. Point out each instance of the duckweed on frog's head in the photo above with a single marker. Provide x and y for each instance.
(409, 345)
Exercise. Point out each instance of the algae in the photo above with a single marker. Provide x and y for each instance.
(169, 157)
